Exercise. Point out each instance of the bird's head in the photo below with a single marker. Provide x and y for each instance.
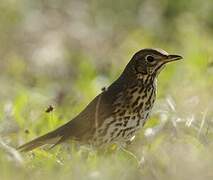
(151, 61)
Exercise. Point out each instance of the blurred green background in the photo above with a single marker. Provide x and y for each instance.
(61, 53)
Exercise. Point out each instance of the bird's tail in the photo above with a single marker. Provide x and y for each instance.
(49, 138)
(54, 137)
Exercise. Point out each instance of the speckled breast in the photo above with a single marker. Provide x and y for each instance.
(131, 110)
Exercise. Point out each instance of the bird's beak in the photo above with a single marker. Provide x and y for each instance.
(173, 57)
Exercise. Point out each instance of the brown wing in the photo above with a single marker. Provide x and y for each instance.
(83, 126)
(80, 128)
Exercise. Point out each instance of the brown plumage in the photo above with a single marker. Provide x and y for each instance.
(116, 114)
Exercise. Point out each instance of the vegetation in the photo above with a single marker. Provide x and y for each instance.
(61, 53)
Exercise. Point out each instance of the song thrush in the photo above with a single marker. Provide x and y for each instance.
(116, 114)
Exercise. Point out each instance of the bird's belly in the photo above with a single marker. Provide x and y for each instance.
(130, 127)
(121, 129)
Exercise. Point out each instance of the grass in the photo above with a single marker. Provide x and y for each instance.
(66, 68)
(176, 143)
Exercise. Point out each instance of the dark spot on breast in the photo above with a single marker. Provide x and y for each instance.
(147, 102)
(141, 90)
(119, 133)
(138, 122)
(117, 111)
(131, 133)
(126, 117)
(118, 124)
(140, 105)
(149, 88)
(122, 113)
(125, 123)
(144, 96)
(107, 127)
(138, 108)
(136, 102)
(135, 110)
(113, 132)
(147, 108)
(120, 119)
(126, 130)
(123, 106)
(134, 90)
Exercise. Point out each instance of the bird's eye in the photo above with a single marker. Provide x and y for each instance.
(149, 58)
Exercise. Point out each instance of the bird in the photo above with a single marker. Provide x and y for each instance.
(119, 111)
